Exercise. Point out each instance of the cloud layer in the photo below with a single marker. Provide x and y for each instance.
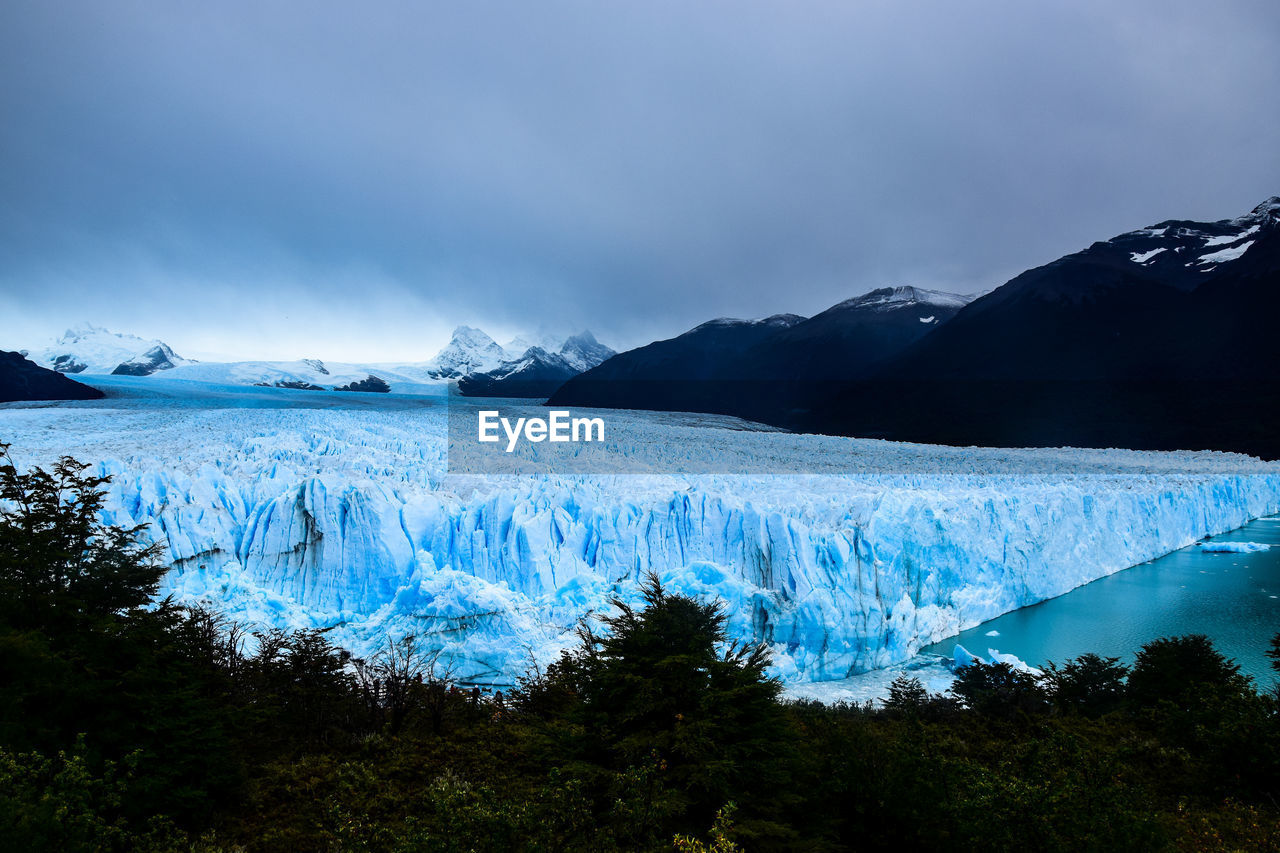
(287, 179)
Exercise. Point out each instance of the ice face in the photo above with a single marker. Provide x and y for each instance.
(290, 509)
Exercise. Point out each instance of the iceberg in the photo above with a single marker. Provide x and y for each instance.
(1234, 547)
(320, 510)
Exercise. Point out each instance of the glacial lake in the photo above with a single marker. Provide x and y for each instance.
(1233, 598)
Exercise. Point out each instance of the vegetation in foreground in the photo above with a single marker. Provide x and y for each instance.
(130, 725)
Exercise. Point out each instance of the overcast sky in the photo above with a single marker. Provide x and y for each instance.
(342, 180)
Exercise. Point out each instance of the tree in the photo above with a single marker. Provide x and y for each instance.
(1182, 670)
(84, 648)
(1090, 684)
(907, 696)
(663, 688)
(998, 690)
(59, 564)
(401, 679)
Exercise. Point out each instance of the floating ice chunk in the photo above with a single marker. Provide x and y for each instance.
(993, 633)
(962, 657)
(1013, 661)
(1234, 547)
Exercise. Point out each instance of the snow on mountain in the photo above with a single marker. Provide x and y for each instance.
(317, 509)
(893, 298)
(537, 372)
(468, 351)
(1223, 255)
(159, 357)
(91, 349)
(310, 374)
(773, 321)
(1129, 342)
(583, 352)
(521, 344)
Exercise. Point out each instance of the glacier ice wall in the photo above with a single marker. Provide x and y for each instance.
(345, 518)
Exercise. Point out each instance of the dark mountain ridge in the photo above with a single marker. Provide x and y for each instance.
(1160, 338)
(23, 379)
(769, 370)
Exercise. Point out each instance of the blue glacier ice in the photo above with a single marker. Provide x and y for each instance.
(310, 509)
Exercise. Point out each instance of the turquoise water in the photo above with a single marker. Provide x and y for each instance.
(1233, 598)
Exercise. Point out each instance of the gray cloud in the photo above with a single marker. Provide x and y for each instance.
(282, 179)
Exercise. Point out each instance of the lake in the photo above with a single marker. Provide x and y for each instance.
(1234, 598)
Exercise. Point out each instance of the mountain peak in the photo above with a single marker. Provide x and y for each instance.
(470, 333)
(1269, 207)
(85, 329)
(582, 338)
(776, 320)
(469, 350)
(583, 352)
(891, 298)
(90, 349)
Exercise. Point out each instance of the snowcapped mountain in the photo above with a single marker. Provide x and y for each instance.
(23, 379)
(468, 351)
(159, 357)
(583, 352)
(312, 374)
(91, 349)
(537, 372)
(1136, 341)
(520, 344)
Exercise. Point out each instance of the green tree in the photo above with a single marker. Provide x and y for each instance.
(60, 566)
(907, 696)
(663, 688)
(999, 690)
(1182, 670)
(1090, 684)
(90, 652)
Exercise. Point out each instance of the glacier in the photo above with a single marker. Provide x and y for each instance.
(314, 509)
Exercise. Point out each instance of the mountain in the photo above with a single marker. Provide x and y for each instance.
(691, 372)
(468, 351)
(23, 379)
(159, 357)
(1160, 338)
(583, 352)
(91, 349)
(774, 370)
(520, 344)
(537, 372)
(849, 338)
